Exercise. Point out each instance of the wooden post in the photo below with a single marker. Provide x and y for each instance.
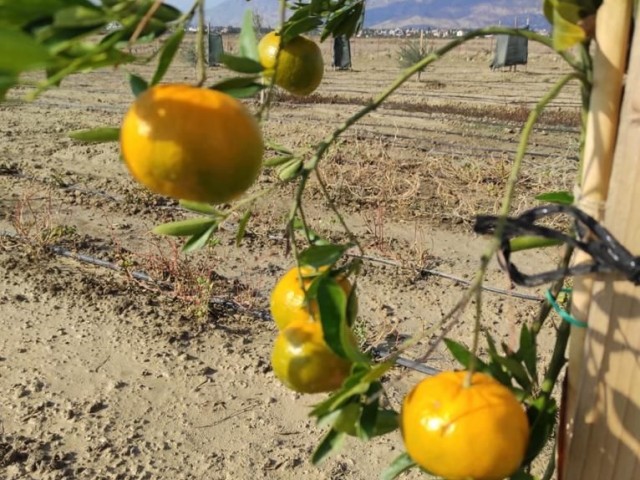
(604, 431)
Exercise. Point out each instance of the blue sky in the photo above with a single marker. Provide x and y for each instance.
(185, 4)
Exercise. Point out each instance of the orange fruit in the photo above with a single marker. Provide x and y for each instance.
(303, 362)
(191, 143)
(300, 66)
(287, 302)
(479, 432)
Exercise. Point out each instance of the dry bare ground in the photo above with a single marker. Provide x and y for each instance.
(105, 375)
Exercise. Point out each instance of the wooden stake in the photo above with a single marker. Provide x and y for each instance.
(602, 436)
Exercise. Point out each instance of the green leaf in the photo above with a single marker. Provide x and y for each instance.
(560, 197)
(464, 356)
(348, 418)
(401, 464)
(239, 87)
(97, 135)
(345, 21)
(169, 50)
(204, 208)
(386, 422)
(517, 371)
(278, 148)
(277, 161)
(137, 84)
(241, 64)
(542, 417)
(19, 52)
(6, 82)
(242, 227)
(495, 368)
(368, 416)
(184, 228)
(167, 13)
(356, 384)
(247, 40)
(566, 32)
(198, 241)
(79, 16)
(17, 13)
(529, 242)
(323, 255)
(294, 29)
(332, 441)
(528, 351)
(332, 303)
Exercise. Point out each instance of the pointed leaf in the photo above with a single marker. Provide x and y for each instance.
(369, 413)
(560, 197)
(240, 87)
(495, 368)
(241, 64)
(332, 441)
(566, 33)
(463, 355)
(322, 256)
(528, 351)
(137, 84)
(169, 50)
(247, 40)
(97, 135)
(183, 228)
(543, 423)
(242, 227)
(401, 464)
(517, 371)
(198, 241)
(79, 16)
(386, 422)
(204, 208)
(299, 27)
(19, 52)
(277, 161)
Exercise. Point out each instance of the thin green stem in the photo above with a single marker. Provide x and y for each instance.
(494, 244)
(352, 237)
(272, 81)
(324, 145)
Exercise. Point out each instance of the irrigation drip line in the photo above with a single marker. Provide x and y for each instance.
(145, 277)
(436, 273)
(378, 352)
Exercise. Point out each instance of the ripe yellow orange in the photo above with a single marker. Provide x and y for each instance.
(287, 302)
(299, 67)
(478, 432)
(191, 143)
(303, 362)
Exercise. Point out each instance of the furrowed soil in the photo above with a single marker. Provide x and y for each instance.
(106, 374)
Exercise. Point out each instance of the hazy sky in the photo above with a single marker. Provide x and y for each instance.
(185, 4)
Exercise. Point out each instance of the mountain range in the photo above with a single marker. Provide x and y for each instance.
(405, 13)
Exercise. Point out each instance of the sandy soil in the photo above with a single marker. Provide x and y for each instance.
(106, 376)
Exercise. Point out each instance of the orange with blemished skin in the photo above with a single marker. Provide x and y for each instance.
(191, 143)
(303, 362)
(299, 67)
(458, 432)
